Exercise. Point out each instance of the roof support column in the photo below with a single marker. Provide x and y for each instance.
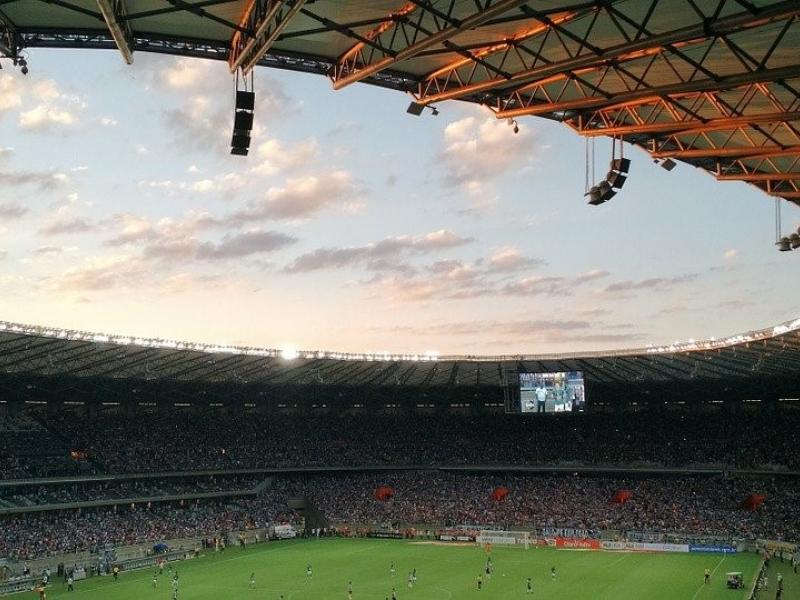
(114, 12)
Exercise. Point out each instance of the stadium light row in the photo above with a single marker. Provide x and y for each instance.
(289, 353)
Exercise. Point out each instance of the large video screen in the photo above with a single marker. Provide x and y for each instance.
(562, 392)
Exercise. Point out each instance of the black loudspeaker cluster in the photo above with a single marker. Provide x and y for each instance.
(615, 179)
(243, 122)
(791, 242)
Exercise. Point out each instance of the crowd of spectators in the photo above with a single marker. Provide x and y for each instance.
(702, 505)
(117, 443)
(36, 535)
(85, 491)
(696, 505)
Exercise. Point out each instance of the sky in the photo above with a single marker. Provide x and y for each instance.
(353, 226)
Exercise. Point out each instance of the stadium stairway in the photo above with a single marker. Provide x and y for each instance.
(312, 516)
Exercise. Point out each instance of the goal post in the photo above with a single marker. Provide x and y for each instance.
(519, 539)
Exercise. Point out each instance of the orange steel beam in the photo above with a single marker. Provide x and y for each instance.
(266, 19)
(693, 126)
(458, 92)
(654, 93)
(760, 177)
(741, 152)
(362, 72)
(622, 52)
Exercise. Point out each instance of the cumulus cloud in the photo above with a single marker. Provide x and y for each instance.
(10, 211)
(52, 109)
(509, 259)
(274, 156)
(10, 92)
(134, 229)
(301, 198)
(379, 255)
(66, 225)
(46, 117)
(48, 251)
(6, 152)
(478, 151)
(173, 248)
(653, 283)
(244, 244)
(41, 180)
(98, 274)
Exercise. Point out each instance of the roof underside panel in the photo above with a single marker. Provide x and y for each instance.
(773, 357)
(714, 84)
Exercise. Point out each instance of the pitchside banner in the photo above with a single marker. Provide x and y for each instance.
(718, 549)
(645, 547)
(577, 544)
(496, 539)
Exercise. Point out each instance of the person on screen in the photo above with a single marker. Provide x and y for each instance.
(541, 399)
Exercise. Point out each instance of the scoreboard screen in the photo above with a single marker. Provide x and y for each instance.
(543, 393)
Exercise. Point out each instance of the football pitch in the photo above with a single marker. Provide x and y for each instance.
(443, 573)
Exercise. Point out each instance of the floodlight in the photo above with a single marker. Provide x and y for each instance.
(239, 151)
(289, 354)
(667, 164)
(794, 240)
(621, 164)
(784, 244)
(435, 111)
(415, 108)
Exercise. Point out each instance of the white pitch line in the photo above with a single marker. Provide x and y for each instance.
(700, 589)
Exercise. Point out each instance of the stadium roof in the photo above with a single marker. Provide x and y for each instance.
(714, 84)
(41, 351)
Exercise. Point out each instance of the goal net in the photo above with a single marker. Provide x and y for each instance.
(520, 539)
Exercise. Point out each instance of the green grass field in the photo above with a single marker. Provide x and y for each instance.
(444, 573)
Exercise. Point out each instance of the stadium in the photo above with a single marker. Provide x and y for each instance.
(149, 467)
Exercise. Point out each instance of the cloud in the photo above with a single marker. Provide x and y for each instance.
(198, 124)
(509, 259)
(188, 73)
(48, 251)
(64, 225)
(244, 244)
(98, 274)
(52, 108)
(377, 256)
(108, 121)
(134, 229)
(10, 211)
(6, 152)
(274, 156)
(10, 92)
(3, 254)
(46, 117)
(526, 330)
(42, 180)
(479, 151)
(177, 246)
(653, 283)
(141, 149)
(730, 254)
(302, 198)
